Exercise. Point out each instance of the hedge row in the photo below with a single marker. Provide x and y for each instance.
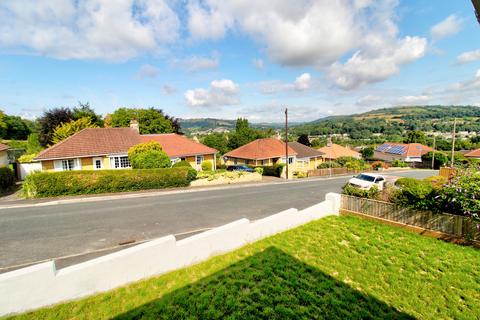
(274, 171)
(7, 178)
(52, 184)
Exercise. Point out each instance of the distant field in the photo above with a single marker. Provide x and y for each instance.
(333, 268)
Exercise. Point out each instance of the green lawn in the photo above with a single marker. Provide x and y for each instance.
(333, 268)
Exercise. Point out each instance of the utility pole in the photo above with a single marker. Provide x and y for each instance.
(433, 152)
(286, 141)
(453, 141)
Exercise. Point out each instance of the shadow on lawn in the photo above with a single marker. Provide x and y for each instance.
(268, 285)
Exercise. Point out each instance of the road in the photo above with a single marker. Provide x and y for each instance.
(33, 234)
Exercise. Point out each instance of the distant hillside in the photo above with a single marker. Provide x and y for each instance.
(395, 120)
(205, 125)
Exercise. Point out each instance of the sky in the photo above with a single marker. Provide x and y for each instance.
(237, 58)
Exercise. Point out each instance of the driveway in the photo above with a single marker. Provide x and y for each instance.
(32, 234)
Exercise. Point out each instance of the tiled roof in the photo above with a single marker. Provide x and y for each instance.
(334, 151)
(473, 153)
(105, 141)
(3, 147)
(304, 151)
(176, 145)
(404, 149)
(261, 149)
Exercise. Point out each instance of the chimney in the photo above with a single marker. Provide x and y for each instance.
(134, 125)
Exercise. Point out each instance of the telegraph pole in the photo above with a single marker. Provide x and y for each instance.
(433, 152)
(286, 141)
(453, 141)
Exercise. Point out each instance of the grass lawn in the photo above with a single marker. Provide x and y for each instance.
(334, 268)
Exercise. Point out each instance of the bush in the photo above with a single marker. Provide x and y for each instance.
(372, 193)
(27, 158)
(399, 164)
(377, 165)
(52, 184)
(415, 193)
(182, 163)
(300, 174)
(328, 164)
(148, 155)
(259, 170)
(7, 179)
(274, 171)
(207, 166)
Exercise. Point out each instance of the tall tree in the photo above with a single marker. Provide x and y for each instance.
(50, 120)
(217, 141)
(83, 110)
(67, 129)
(367, 153)
(3, 125)
(150, 120)
(17, 128)
(303, 139)
(416, 137)
(242, 135)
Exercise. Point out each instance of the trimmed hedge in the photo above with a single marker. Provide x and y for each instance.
(7, 178)
(53, 184)
(275, 170)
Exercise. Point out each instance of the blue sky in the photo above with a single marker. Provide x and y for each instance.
(234, 58)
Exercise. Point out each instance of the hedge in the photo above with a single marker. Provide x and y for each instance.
(275, 170)
(53, 184)
(7, 178)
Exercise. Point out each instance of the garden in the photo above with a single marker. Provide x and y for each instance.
(335, 268)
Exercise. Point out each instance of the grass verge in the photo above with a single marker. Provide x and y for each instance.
(334, 268)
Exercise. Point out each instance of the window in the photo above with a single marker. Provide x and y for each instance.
(265, 162)
(235, 161)
(290, 160)
(120, 162)
(68, 165)
(199, 160)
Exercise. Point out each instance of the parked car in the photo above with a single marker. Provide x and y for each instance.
(240, 168)
(367, 180)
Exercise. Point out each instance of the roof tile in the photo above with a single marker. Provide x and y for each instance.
(261, 149)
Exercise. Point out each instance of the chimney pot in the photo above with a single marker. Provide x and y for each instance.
(134, 125)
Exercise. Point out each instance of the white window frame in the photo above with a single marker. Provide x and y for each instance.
(95, 163)
(201, 158)
(113, 162)
(59, 164)
(175, 160)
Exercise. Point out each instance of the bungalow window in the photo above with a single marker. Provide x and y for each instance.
(199, 160)
(265, 162)
(68, 165)
(120, 162)
(97, 163)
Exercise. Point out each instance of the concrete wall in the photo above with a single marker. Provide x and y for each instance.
(41, 285)
(3, 159)
(26, 168)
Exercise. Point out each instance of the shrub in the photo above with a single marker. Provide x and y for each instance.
(27, 158)
(300, 174)
(415, 193)
(182, 163)
(328, 164)
(399, 164)
(148, 155)
(372, 193)
(52, 184)
(207, 166)
(274, 171)
(259, 170)
(7, 178)
(441, 159)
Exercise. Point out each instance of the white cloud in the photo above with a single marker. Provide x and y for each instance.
(168, 89)
(447, 27)
(90, 29)
(302, 82)
(220, 93)
(148, 71)
(364, 68)
(207, 22)
(198, 63)
(413, 100)
(470, 85)
(469, 56)
(368, 101)
(258, 63)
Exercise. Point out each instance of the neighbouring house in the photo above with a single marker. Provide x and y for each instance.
(307, 158)
(3, 155)
(261, 152)
(411, 152)
(475, 154)
(107, 148)
(333, 151)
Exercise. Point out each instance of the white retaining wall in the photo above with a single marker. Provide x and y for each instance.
(42, 285)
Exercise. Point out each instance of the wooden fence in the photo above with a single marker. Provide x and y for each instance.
(443, 222)
(332, 171)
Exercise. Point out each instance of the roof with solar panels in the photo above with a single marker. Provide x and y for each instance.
(404, 149)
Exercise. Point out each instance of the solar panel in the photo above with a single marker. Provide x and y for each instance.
(383, 147)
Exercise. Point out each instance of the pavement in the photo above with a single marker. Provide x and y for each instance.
(83, 228)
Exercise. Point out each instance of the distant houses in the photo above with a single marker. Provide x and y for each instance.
(411, 152)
